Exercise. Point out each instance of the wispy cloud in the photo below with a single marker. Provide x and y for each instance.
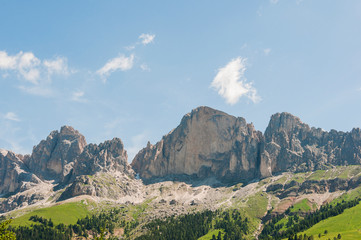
(267, 51)
(130, 48)
(24, 64)
(12, 117)
(121, 63)
(36, 72)
(78, 96)
(231, 83)
(42, 91)
(58, 65)
(274, 1)
(31, 68)
(147, 38)
(145, 67)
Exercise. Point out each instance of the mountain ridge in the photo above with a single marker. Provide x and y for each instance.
(207, 144)
(287, 144)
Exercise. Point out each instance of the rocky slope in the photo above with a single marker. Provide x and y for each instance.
(212, 143)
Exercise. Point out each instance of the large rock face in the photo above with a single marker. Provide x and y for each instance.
(211, 143)
(14, 175)
(207, 143)
(53, 158)
(293, 145)
(108, 156)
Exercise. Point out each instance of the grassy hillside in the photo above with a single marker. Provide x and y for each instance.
(348, 224)
(67, 213)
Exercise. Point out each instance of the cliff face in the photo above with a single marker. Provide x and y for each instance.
(207, 143)
(108, 156)
(53, 158)
(293, 145)
(14, 175)
(211, 143)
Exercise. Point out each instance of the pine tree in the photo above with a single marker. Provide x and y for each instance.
(4, 232)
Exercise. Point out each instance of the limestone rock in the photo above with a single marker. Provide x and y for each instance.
(207, 143)
(14, 175)
(294, 146)
(210, 143)
(105, 157)
(61, 160)
(53, 158)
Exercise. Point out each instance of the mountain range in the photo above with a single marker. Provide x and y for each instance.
(207, 144)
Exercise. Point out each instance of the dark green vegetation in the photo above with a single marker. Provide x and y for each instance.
(94, 226)
(195, 225)
(230, 225)
(296, 224)
(5, 233)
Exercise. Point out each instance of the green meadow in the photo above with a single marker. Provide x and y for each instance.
(348, 224)
(67, 213)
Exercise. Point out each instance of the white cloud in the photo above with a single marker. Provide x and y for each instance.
(145, 67)
(24, 64)
(27, 66)
(30, 68)
(31, 75)
(147, 38)
(7, 62)
(274, 1)
(12, 117)
(59, 66)
(298, 1)
(121, 63)
(267, 51)
(231, 83)
(78, 96)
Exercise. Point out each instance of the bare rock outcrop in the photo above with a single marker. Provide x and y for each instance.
(14, 175)
(207, 143)
(64, 161)
(210, 143)
(113, 185)
(105, 157)
(314, 186)
(53, 158)
(294, 146)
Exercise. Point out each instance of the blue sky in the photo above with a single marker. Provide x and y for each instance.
(132, 69)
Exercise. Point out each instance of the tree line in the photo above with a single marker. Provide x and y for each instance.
(296, 224)
(195, 225)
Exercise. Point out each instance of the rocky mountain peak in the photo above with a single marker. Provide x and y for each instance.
(284, 122)
(53, 158)
(207, 142)
(63, 158)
